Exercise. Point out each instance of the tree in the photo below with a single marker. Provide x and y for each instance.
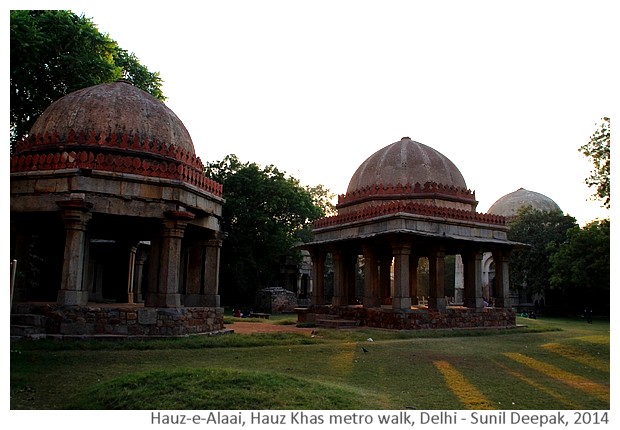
(55, 52)
(529, 266)
(265, 214)
(580, 266)
(598, 152)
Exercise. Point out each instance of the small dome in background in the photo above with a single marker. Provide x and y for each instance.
(510, 204)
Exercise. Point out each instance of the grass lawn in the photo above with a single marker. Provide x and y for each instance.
(550, 364)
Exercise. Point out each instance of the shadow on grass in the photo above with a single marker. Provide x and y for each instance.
(218, 389)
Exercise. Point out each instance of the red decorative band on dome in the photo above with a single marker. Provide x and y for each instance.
(115, 153)
(428, 190)
(409, 207)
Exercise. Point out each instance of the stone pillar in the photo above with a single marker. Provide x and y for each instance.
(502, 278)
(21, 255)
(73, 287)
(385, 281)
(371, 278)
(131, 273)
(436, 263)
(167, 258)
(459, 280)
(401, 299)
(137, 280)
(151, 299)
(318, 275)
(350, 275)
(413, 278)
(340, 292)
(299, 291)
(473, 280)
(211, 289)
(194, 287)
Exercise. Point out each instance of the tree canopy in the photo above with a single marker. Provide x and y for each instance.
(265, 214)
(580, 266)
(55, 52)
(529, 266)
(598, 152)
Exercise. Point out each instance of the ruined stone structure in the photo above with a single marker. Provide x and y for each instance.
(110, 204)
(296, 276)
(275, 300)
(405, 202)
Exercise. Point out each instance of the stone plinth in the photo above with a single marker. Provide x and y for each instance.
(417, 318)
(130, 321)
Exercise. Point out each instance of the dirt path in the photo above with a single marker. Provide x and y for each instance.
(241, 327)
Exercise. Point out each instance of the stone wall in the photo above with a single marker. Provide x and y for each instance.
(275, 300)
(453, 317)
(123, 320)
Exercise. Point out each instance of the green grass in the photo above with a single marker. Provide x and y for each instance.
(216, 389)
(550, 364)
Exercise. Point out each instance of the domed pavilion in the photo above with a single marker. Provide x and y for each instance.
(114, 226)
(405, 202)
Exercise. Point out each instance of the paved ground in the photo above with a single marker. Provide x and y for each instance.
(241, 327)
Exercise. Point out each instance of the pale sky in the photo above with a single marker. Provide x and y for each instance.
(506, 90)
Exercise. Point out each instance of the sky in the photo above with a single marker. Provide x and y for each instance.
(508, 91)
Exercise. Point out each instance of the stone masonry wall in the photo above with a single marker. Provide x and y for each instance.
(275, 300)
(125, 321)
(456, 317)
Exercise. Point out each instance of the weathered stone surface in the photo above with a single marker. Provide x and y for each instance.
(147, 316)
(275, 300)
(88, 321)
(453, 317)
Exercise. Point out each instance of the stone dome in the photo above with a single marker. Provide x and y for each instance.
(510, 204)
(406, 162)
(407, 172)
(114, 108)
(112, 127)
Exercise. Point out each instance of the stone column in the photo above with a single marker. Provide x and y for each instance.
(168, 256)
(371, 278)
(385, 281)
(131, 273)
(211, 289)
(459, 280)
(299, 291)
(151, 299)
(502, 278)
(350, 271)
(340, 292)
(195, 282)
(401, 299)
(414, 259)
(318, 276)
(137, 280)
(436, 263)
(22, 241)
(473, 280)
(73, 288)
